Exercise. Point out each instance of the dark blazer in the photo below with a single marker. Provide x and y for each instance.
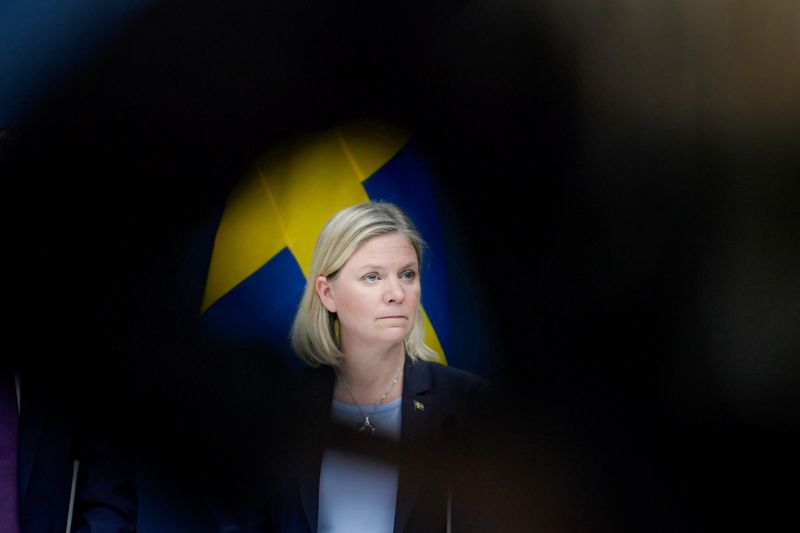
(44, 462)
(49, 444)
(442, 408)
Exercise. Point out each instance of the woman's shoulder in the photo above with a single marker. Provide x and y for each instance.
(455, 392)
(452, 374)
(447, 381)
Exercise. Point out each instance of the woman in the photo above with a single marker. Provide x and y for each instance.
(377, 416)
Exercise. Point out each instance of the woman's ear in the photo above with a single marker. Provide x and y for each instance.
(325, 292)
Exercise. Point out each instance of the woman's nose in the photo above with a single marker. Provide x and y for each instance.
(394, 291)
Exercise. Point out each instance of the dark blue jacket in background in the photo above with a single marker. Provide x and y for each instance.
(49, 443)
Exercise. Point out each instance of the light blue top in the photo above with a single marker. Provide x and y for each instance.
(357, 493)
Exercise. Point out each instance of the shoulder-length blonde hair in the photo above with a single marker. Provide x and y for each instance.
(314, 335)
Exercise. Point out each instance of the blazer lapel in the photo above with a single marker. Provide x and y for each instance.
(417, 421)
(318, 395)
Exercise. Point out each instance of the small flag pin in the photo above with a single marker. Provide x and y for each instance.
(419, 406)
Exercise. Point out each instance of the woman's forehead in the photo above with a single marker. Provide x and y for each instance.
(390, 249)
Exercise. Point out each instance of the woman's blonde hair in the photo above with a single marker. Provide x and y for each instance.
(314, 335)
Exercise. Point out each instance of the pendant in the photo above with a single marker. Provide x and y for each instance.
(366, 426)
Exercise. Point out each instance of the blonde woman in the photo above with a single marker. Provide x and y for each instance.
(379, 422)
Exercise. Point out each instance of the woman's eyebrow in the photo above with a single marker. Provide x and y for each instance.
(381, 268)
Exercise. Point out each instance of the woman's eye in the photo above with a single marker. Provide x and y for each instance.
(371, 277)
(409, 275)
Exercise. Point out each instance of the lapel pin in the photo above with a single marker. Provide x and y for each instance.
(419, 406)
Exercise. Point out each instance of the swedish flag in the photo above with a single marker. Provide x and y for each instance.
(265, 237)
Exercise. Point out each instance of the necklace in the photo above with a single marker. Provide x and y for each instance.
(367, 426)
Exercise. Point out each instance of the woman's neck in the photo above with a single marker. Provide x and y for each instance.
(370, 375)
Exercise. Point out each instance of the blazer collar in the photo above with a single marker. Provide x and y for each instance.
(417, 424)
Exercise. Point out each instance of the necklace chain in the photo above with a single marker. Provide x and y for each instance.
(367, 425)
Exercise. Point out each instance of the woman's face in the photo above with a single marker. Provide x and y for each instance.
(376, 294)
